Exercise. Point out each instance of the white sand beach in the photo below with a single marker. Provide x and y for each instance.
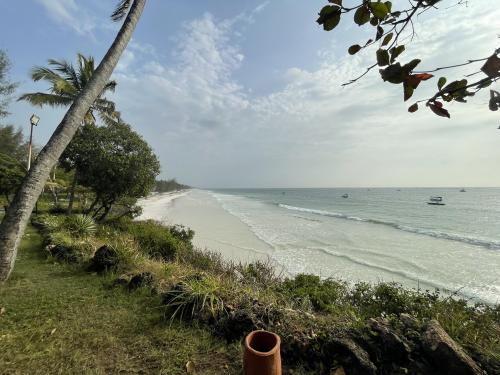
(215, 229)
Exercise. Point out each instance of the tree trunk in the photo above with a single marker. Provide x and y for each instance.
(72, 194)
(105, 213)
(17, 216)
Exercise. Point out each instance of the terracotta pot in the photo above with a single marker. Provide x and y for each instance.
(262, 354)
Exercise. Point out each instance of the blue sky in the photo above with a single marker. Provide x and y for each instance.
(248, 93)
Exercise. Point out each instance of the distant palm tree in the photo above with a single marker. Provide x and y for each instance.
(66, 83)
(17, 216)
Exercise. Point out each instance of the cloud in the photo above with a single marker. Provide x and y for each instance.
(67, 13)
(210, 130)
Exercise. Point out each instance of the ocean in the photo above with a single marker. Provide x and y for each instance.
(378, 234)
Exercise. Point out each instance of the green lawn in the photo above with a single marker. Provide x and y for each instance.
(60, 320)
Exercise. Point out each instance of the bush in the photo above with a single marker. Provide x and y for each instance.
(157, 240)
(197, 295)
(323, 295)
(80, 225)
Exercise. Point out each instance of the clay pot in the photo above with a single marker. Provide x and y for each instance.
(262, 354)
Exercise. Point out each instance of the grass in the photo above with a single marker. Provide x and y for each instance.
(59, 319)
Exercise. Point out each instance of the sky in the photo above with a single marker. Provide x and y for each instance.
(249, 93)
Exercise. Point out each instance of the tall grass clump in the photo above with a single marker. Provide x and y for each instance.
(80, 225)
(196, 295)
(156, 240)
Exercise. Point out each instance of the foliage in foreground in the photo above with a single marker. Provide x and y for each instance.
(57, 319)
(200, 287)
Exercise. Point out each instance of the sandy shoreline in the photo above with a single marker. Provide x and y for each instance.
(215, 228)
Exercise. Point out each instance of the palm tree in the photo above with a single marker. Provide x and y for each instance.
(66, 83)
(17, 216)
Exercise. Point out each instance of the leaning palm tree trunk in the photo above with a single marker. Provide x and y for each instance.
(17, 216)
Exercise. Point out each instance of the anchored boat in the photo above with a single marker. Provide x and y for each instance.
(436, 201)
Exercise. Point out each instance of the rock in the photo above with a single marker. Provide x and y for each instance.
(409, 321)
(62, 253)
(140, 280)
(393, 345)
(338, 371)
(353, 357)
(445, 353)
(122, 280)
(105, 259)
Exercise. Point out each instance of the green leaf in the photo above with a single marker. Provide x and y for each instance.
(382, 57)
(484, 84)
(374, 21)
(354, 49)
(387, 39)
(388, 4)
(379, 10)
(393, 73)
(337, 2)
(413, 108)
(408, 91)
(361, 16)
(329, 17)
(396, 51)
(411, 65)
(441, 83)
(380, 32)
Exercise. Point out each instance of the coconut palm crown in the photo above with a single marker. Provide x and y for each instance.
(66, 83)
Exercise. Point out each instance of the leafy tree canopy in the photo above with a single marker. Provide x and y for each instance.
(163, 186)
(6, 87)
(390, 27)
(115, 162)
(12, 173)
(12, 142)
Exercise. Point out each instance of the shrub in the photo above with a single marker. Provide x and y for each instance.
(323, 295)
(259, 272)
(80, 225)
(157, 240)
(197, 295)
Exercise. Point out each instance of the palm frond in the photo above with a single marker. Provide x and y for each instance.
(89, 118)
(39, 73)
(110, 86)
(65, 88)
(121, 10)
(40, 99)
(110, 118)
(66, 68)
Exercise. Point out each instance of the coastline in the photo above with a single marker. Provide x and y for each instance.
(215, 229)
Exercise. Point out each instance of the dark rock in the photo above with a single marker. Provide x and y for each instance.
(394, 347)
(140, 280)
(105, 259)
(445, 353)
(122, 280)
(409, 321)
(352, 356)
(235, 325)
(62, 253)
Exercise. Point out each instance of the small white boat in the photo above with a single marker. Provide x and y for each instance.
(436, 201)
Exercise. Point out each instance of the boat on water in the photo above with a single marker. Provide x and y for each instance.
(462, 190)
(345, 196)
(436, 201)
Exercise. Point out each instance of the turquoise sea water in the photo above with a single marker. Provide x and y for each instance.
(380, 234)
